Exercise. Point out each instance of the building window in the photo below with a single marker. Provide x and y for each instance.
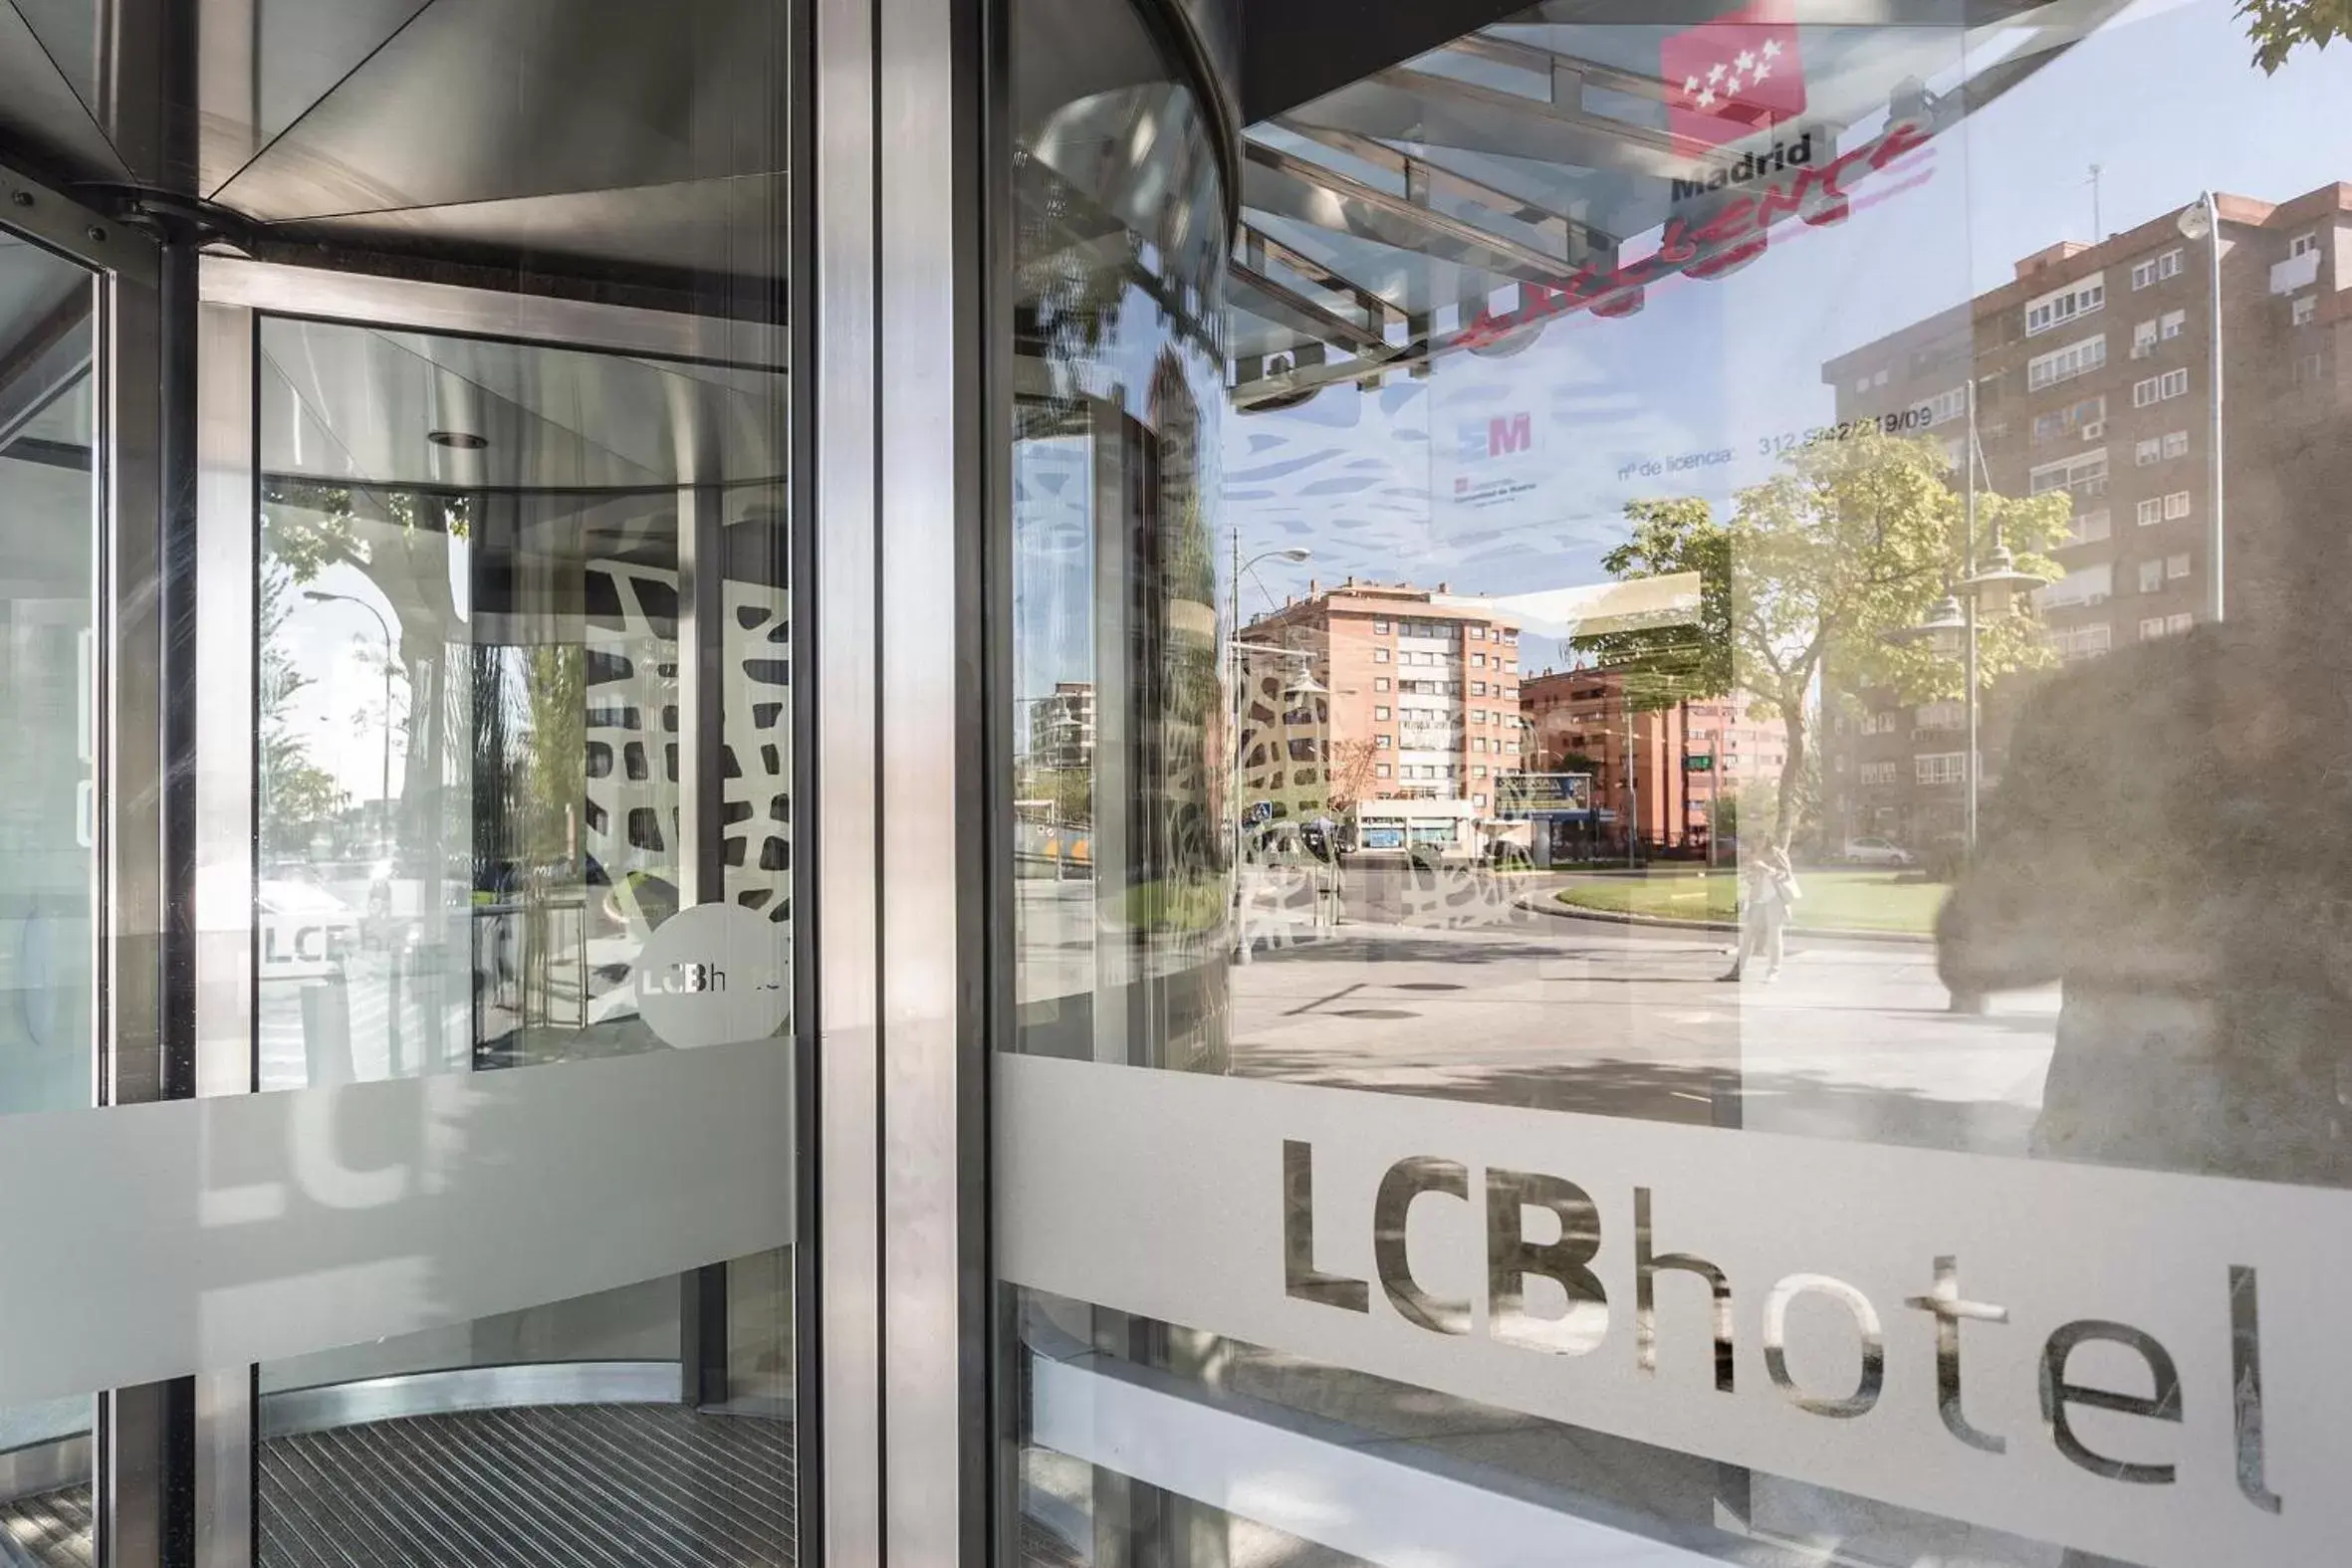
(2092, 584)
(1380, 712)
(2157, 389)
(2082, 642)
(2175, 443)
(1384, 741)
(2084, 475)
(2148, 453)
(1945, 406)
(2155, 268)
(1479, 772)
(2144, 339)
(1380, 629)
(1478, 688)
(1478, 799)
(2089, 527)
(2177, 566)
(1937, 767)
(2062, 306)
(1510, 635)
(1479, 632)
(2174, 323)
(2151, 628)
(1874, 774)
(2063, 365)
(2176, 505)
(1940, 716)
(2151, 511)
(2304, 309)
(2174, 625)
(1478, 660)
(2307, 369)
(1379, 655)
(2151, 577)
(2300, 244)
(1380, 771)
(2083, 420)
(1379, 683)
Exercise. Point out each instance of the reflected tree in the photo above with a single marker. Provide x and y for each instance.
(2280, 27)
(1849, 540)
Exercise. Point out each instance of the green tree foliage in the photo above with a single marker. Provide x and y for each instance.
(1665, 665)
(1849, 540)
(2280, 27)
(297, 797)
(309, 526)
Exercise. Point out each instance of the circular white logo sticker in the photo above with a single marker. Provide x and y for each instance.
(713, 975)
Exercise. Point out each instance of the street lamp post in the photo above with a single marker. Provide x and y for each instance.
(2203, 221)
(1992, 586)
(322, 596)
(1632, 788)
(1995, 586)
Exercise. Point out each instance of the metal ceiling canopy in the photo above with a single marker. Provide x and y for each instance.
(1513, 157)
(349, 404)
(611, 131)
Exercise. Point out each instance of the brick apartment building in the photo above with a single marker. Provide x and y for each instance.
(1682, 757)
(2095, 376)
(1421, 698)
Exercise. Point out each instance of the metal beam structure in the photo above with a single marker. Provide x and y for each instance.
(1426, 189)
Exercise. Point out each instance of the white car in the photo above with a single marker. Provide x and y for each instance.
(1876, 852)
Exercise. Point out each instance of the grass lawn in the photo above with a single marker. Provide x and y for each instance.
(1833, 900)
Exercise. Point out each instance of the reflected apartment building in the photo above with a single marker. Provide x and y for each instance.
(1376, 691)
(2094, 376)
(1685, 759)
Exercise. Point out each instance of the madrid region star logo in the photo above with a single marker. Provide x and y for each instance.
(1732, 77)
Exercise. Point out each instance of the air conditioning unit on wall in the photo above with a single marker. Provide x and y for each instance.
(2093, 429)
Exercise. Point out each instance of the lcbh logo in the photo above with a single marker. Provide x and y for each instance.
(684, 979)
(712, 975)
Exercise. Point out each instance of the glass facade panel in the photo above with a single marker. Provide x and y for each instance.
(1866, 1092)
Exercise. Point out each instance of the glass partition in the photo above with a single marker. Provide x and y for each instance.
(1744, 964)
(51, 509)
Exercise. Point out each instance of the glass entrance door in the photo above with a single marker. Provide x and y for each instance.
(522, 720)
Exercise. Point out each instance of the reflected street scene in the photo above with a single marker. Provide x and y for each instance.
(1763, 571)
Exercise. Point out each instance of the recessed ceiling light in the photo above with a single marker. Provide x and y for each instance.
(459, 440)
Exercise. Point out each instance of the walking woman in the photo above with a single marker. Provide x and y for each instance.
(1772, 893)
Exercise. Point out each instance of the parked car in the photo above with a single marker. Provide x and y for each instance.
(1876, 852)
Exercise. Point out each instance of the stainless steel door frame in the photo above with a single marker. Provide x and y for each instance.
(126, 1454)
(899, 241)
(420, 305)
